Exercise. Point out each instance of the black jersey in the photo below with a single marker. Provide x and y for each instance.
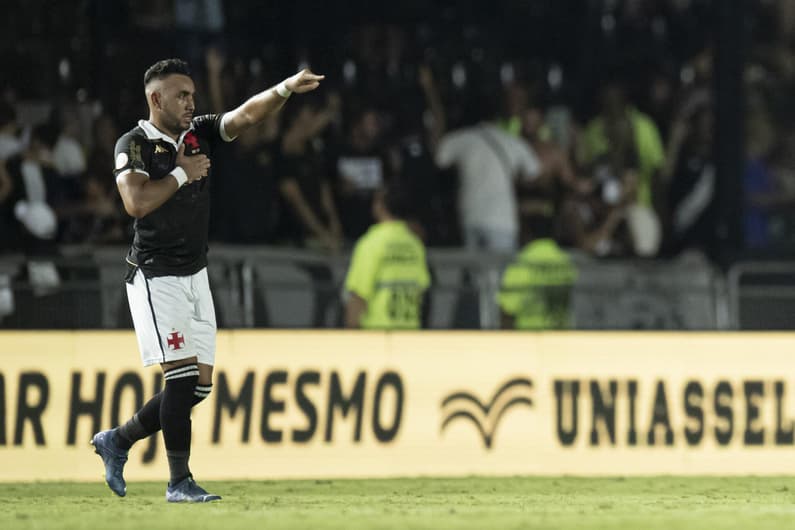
(171, 240)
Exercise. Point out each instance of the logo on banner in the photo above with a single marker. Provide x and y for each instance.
(486, 416)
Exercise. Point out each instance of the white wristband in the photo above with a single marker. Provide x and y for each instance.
(179, 174)
(283, 91)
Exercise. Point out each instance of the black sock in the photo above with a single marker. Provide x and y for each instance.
(175, 418)
(145, 422)
(178, 465)
(201, 392)
(129, 433)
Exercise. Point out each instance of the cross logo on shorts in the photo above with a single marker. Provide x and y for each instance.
(175, 340)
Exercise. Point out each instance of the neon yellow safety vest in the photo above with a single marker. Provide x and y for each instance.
(536, 287)
(388, 270)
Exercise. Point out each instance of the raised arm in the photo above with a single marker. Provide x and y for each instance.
(215, 65)
(257, 107)
(434, 102)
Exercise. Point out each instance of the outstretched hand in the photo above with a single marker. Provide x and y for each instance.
(303, 81)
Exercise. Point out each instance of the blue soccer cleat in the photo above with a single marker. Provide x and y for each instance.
(114, 459)
(187, 490)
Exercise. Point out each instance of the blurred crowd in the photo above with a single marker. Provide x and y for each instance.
(593, 125)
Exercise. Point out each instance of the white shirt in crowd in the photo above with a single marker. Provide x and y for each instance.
(68, 157)
(488, 160)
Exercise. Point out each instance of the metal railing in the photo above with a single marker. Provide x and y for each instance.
(762, 295)
(291, 288)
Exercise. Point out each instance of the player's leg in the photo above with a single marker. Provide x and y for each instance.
(146, 421)
(113, 445)
(205, 384)
(159, 307)
(201, 332)
(181, 377)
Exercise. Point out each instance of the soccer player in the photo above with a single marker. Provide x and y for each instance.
(162, 168)
(388, 273)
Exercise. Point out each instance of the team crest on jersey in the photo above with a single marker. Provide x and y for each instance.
(191, 141)
(160, 149)
(175, 340)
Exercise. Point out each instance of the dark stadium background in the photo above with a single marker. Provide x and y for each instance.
(78, 64)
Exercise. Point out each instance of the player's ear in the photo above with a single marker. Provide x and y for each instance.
(155, 100)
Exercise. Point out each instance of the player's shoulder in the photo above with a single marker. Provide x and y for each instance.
(136, 133)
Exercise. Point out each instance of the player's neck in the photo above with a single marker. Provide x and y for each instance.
(162, 128)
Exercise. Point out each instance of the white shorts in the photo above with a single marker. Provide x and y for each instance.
(174, 317)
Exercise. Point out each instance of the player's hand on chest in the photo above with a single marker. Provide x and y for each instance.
(190, 158)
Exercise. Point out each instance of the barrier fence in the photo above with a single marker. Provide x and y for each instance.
(288, 288)
(372, 404)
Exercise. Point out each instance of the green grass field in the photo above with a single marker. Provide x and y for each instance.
(540, 503)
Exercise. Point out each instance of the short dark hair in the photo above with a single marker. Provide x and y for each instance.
(164, 68)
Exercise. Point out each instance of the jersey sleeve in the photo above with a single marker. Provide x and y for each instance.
(211, 126)
(362, 272)
(133, 153)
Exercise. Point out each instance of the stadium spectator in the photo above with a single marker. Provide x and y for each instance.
(68, 156)
(246, 213)
(11, 142)
(622, 149)
(388, 274)
(97, 218)
(541, 198)
(587, 224)
(489, 162)
(516, 101)
(535, 291)
(69, 163)
(690, 175)
(27, 210)
(31, 223)
(411, 163)
(310, 214)
(359, 168)
(7, 222)
(767, 191)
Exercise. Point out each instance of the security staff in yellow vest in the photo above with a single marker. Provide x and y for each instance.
(388, 273)
(535, 291)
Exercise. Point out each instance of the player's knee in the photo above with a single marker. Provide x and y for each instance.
(178, 393)
(200, 393)
(170, 366)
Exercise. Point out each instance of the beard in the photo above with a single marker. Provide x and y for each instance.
(174, 124)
